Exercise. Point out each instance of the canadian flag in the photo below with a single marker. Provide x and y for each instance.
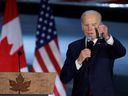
(11, 41)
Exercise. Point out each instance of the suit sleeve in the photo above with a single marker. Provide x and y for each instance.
(69, 70)
(117, 49)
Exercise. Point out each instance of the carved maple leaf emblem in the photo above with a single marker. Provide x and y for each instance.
(19, 84)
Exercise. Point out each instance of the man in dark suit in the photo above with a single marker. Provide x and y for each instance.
(91, 68)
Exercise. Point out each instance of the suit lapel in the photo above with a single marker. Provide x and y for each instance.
(96, 48)
(82, 44)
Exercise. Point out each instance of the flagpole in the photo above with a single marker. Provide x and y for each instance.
(19, 54)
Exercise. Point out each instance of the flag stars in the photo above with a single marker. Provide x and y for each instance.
(38, 26)
(43, 35)
(47, 15)
(41, 12)
(41, 41)
(43, 6)
(50, 24)
(44, 28)
(54, 33)
(45, 21)
(48, 37)
(49, 30)
(40, 19)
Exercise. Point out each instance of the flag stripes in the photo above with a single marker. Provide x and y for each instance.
(53, 60)
(44, 61)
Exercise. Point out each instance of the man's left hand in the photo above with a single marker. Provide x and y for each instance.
(103, 29)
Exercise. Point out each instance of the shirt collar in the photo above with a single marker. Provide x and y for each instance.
(94, 41)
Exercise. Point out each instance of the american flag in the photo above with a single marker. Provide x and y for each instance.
(47, 55)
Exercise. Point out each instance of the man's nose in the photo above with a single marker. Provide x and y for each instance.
(89, 28)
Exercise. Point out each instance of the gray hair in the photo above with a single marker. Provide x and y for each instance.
(91, 12)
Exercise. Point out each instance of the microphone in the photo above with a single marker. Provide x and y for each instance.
(89, 44)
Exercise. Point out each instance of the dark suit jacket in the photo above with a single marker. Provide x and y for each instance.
(97, 72)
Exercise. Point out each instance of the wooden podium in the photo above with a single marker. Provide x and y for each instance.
(27, 83)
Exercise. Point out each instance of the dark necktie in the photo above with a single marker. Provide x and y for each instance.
(90, 44)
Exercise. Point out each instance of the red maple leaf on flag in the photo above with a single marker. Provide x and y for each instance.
(10, 62)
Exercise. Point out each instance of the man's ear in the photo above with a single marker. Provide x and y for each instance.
(82, 26)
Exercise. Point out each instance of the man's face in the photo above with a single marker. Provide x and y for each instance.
(89, 23)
